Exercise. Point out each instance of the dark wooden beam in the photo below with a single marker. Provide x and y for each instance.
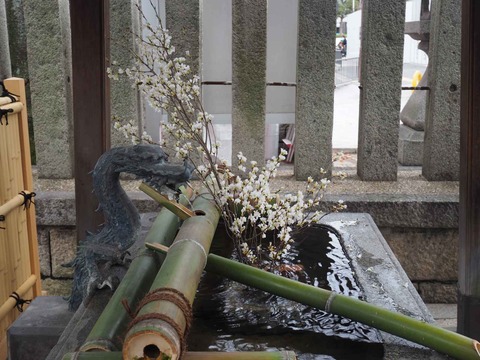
(469, 225)
(91, 102)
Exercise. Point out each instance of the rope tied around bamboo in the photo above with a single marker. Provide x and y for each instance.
(19, 301)
(165, 294)
(12, 98)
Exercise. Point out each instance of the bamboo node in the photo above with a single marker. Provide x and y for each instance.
(329, 302)
(194, 242)
(182, 337)
(19, 301)
(166, 294)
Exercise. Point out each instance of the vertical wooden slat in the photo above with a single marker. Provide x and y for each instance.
(91, 109)
(469, 224)
(18, 242)
(4, 256)
(17, 86)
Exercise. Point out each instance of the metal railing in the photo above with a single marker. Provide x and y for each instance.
(346, 71)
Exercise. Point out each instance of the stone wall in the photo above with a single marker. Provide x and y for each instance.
(57, 235)
(427, 252)
(429, 257)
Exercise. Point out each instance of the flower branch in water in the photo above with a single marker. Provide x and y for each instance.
(259, 221)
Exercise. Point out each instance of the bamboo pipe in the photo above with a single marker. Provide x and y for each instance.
(160, 325)
(193, 355)
(16, 107)
(11, 204)
(10, 303)
(178, 209)
(139, 277)
(434, 337)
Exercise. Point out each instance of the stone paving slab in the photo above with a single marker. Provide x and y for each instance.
(445, 315)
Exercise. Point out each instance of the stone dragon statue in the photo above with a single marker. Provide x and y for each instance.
(122, 220)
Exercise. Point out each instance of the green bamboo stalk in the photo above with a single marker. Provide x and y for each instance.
(193, 355)
(434, 337)
(181, 271)
(135, 284)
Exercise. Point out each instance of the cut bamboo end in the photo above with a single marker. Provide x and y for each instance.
(152, 344)
(13, 203)
(178, 209)
(476, 346)
(10, 303)
(12, 108)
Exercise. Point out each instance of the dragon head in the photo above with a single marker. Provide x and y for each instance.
(149, 163)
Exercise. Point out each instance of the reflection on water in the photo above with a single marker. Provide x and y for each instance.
(233, 317)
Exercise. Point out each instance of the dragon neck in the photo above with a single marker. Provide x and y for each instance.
(121, 216)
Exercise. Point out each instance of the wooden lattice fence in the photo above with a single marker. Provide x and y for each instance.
(19, 261)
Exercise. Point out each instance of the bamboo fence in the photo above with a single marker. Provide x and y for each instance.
(19, 261)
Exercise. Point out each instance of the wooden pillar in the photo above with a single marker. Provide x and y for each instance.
(469, 224)
(91, 109)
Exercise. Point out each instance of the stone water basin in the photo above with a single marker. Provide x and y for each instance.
(347, 255)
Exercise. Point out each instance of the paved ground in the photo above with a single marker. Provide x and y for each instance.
(346, 109)
(445, 315)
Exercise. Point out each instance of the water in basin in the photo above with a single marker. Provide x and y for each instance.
(233, 317)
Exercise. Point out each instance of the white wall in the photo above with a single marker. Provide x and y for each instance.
(354, 24)
(411, 54)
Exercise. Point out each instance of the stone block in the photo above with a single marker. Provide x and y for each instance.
(43, 236)
(249, 62)
(38, 329)
(431, 211)
(63, 245)
(55, 208)
(57, 287)
(410, 146)
(315, 88)
(425, 254)
(382, 41)
(436, 292)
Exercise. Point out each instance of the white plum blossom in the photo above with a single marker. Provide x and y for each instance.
(260, 222)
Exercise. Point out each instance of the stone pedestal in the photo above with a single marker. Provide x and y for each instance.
(315, 88)
(410, 146)
(38, 329)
